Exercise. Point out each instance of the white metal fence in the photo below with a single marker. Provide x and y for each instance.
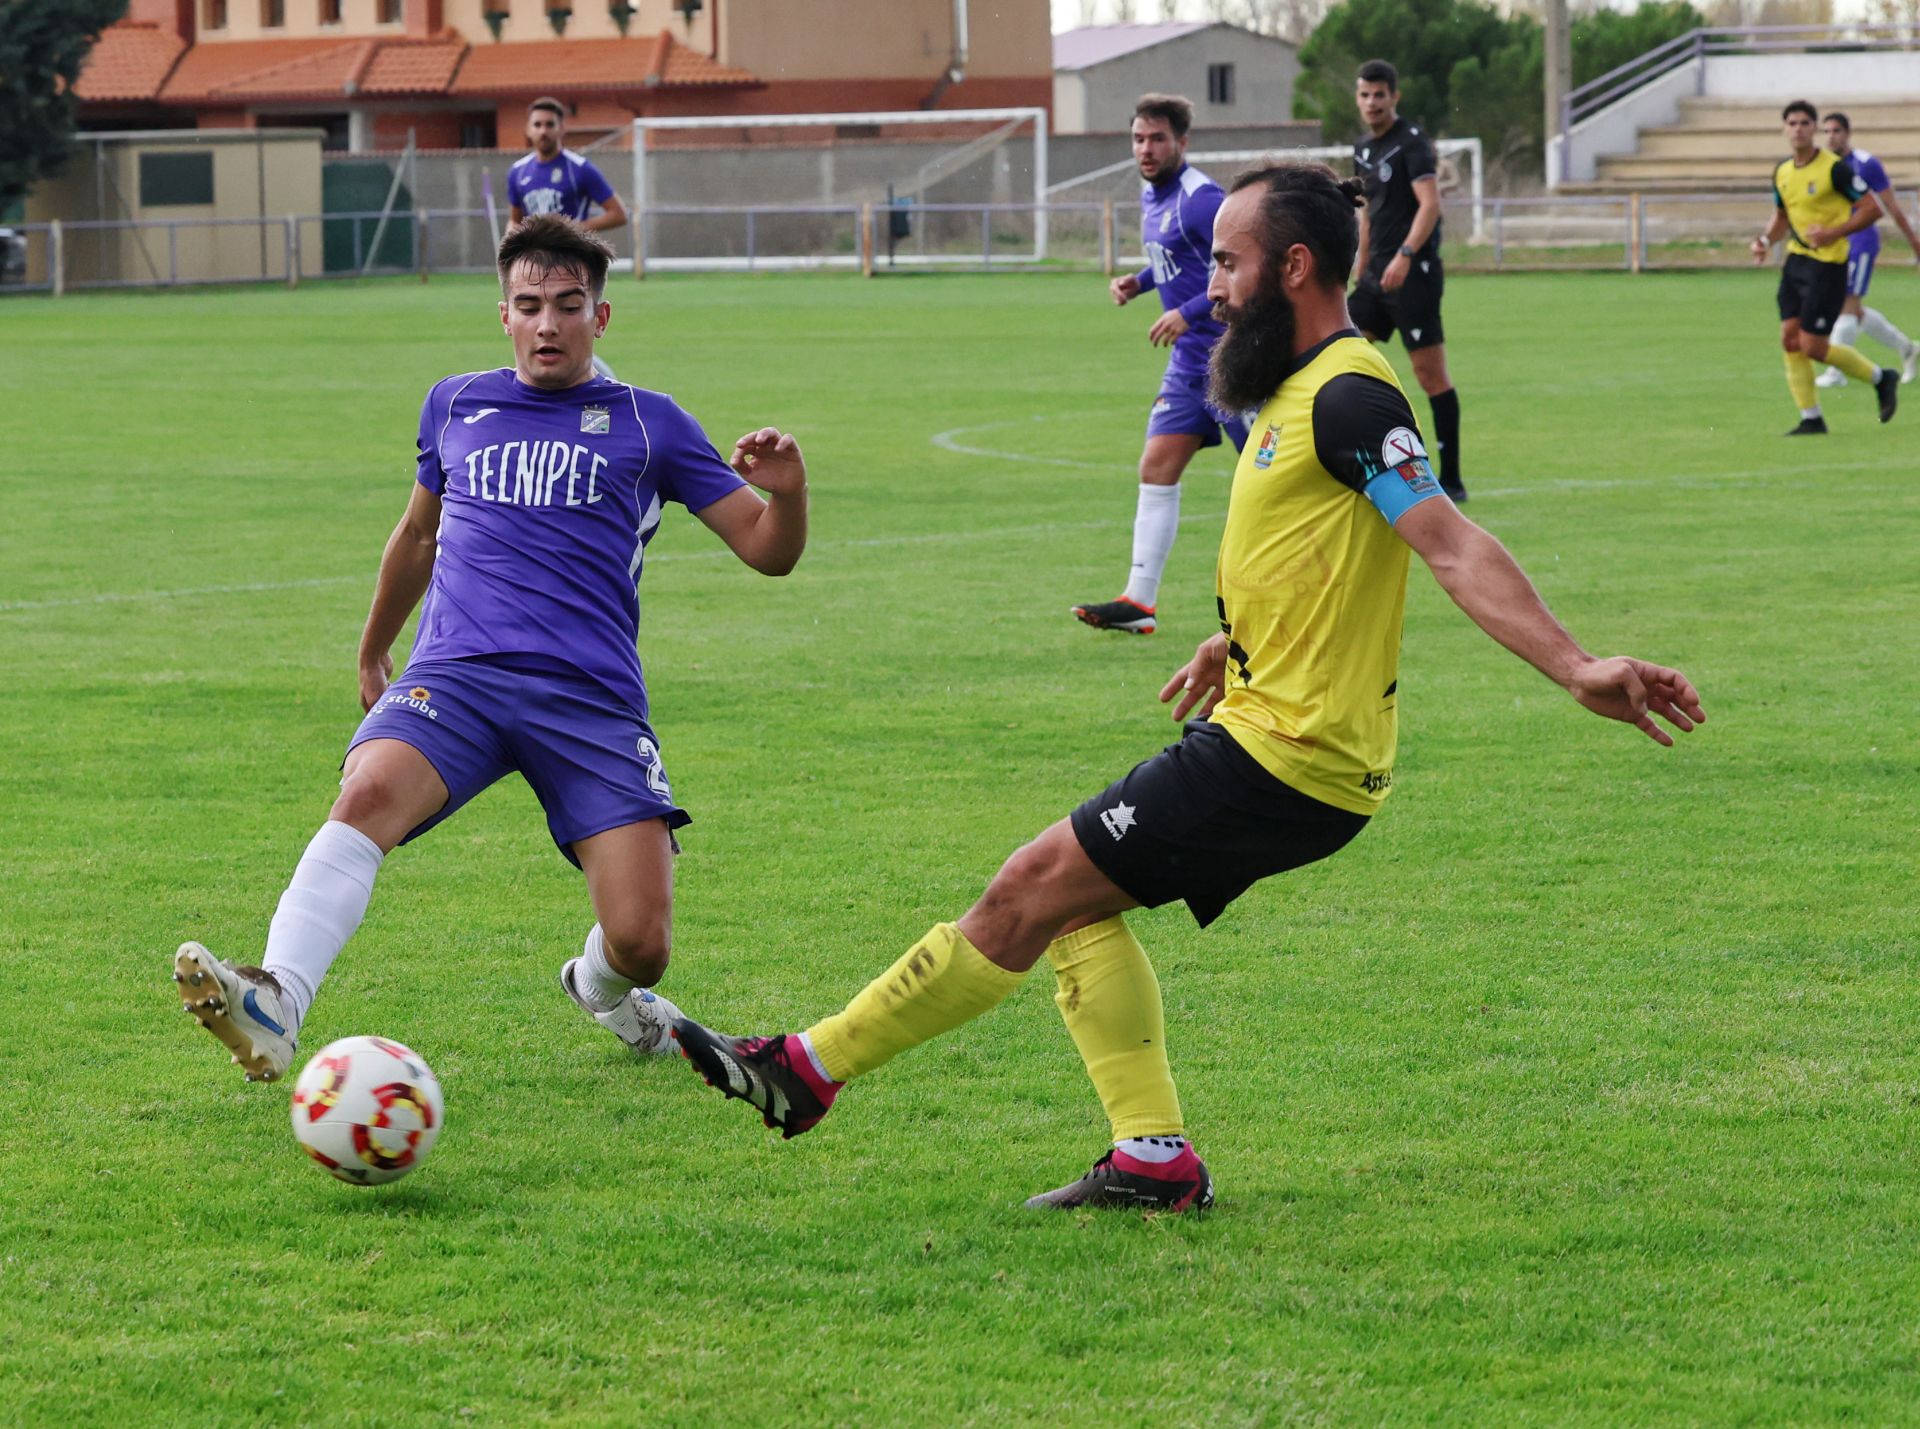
(1632, 232)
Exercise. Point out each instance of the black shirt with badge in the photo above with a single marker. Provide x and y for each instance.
(1389, 164)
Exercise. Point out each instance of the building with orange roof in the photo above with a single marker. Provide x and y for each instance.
(459, 73)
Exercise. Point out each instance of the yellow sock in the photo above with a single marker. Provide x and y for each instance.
(1850, 362)
(940, 982)
(1111, 1002)
(1800, 381)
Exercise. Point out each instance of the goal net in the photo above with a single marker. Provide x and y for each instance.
(896, 187)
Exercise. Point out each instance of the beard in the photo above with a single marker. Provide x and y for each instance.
(1251, 358)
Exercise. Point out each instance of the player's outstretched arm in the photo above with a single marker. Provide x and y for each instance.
(768, 535)
(405, 568)
(1488, 584)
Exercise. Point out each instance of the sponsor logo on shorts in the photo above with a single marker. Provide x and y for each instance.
(1118, 820)
(1161, 404)
(416, 699)
(596, 421)
(1269, 444)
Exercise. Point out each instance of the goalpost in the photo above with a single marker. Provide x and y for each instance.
(867, 193)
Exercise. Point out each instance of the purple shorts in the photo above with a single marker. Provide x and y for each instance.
(1860, 260)
(1181, 408)
(591, 760)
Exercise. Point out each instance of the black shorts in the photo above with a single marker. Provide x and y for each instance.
(1413, 308)
(1203, 821)
(1812, 291)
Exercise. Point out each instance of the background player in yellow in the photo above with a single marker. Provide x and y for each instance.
(1818, 203)
(1296, 699)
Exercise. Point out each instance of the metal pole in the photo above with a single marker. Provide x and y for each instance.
(420, 241)
(57, 257)
(1636, 233)
(1040, 187)
(260, 192)
(1106, 237)
(986, 238)
(639, 167)
(173, 256)
(1559, 74)
(750, 239)
(293, 251)
(639, 243)
(1499, 233)
(866, 240)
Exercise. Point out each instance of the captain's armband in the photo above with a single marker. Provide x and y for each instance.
(1398, 489)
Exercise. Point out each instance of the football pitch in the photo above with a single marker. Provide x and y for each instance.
(1581, 1088)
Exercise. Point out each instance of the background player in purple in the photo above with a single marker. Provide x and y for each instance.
(537, 489)
(1863, 256)
(1177, 205)
(554, 179)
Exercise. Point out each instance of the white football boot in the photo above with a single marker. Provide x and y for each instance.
(643, 1019)
(239, 1005)
(1831, 377)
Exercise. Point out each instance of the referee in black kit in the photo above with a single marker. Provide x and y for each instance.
(1401, 280)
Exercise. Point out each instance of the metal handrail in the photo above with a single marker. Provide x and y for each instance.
(1586, 99)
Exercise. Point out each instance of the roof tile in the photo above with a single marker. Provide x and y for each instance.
(130, 60)
(537, 66)
(413, 67)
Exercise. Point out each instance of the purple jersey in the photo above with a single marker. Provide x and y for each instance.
(1874, 174)
(1176, 228)
(569, 185)
(549, 500)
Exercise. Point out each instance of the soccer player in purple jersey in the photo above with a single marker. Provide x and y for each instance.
(554, 179)
(538, 487)
(1863, 255)
(1177, 205)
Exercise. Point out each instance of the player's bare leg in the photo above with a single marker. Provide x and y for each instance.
(1430, 370)
(387, 788)
(1156, 521)
(629, 874)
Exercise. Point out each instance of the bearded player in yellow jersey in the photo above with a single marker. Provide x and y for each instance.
(1293, 744)
(1819, 202)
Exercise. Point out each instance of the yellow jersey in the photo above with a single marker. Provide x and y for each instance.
(1312, 580)
(1822, 191)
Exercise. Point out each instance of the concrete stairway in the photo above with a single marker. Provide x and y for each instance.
(1731, 145)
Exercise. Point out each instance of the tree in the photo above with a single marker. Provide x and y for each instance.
(43, 46)
(1424, 39)
(1607, 39)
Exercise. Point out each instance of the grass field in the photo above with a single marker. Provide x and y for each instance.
(1580, 1089)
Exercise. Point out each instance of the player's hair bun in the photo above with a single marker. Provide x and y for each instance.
(1356, 190)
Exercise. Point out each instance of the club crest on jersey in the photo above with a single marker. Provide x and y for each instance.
(1401, 444)
(1385, 171)
(554, 177)
(1269, 444)
(596, 421)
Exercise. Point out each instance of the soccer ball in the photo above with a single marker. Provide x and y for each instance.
(367, 1109)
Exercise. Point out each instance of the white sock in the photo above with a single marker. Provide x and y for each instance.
(1810, 413)
(595, 977)
(319, 911)
(1156, 520)
(1844, 328)
(1881, 331)
(1155, 1149)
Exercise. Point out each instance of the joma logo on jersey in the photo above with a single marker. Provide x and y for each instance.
(1269, 444)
